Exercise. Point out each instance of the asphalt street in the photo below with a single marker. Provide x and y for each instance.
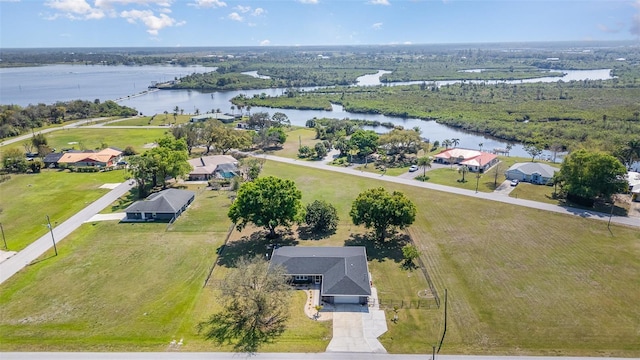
(629, 221)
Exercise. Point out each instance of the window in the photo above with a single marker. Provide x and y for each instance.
(301, 278)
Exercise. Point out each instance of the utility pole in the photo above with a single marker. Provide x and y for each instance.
(444, 332)
(52, 238)
(478, 175)
(3, 239)
(613, 202)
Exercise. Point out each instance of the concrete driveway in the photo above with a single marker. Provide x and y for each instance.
(357, 328)
(505, 188)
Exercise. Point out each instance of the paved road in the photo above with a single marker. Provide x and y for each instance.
(28, 136)
(268, 356)
(27, 255)
(629, 221)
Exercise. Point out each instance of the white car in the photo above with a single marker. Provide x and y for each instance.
(413, 168)
(515, 182)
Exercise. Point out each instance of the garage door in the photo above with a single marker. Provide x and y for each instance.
(346, 299)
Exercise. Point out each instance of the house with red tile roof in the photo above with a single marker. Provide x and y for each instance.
(103, 158)
(476, 161)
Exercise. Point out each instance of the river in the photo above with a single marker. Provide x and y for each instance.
(51, 83)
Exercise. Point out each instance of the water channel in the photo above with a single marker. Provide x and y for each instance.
(48, 84)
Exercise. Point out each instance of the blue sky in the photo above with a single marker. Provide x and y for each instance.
(120, 23)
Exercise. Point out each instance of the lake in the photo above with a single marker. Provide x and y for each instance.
(49, 84)
(128, 84)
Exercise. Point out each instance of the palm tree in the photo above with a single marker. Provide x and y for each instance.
(481, 145)
(464, 169)
(446, 143)
(630, 152)
(233, 109)
(509, 147)
(455, 142)
(424, 162)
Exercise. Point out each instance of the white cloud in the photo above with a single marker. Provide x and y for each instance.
(75, 9)
(377, 26)
(112, 3)
(248, 9)
(308, 1)
(152, 22)
(243, 9)
(235, 17)
(379, 2)
(265, 42)
(208, 3)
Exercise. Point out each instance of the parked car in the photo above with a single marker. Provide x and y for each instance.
(515, 182)
(413, 168)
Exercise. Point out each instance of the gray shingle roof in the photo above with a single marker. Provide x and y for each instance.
(344, 269)
(534, 167)
(165, 201)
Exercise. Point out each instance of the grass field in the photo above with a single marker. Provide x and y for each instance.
(296, 136)
(80, 138)
(520, 281)
(158, 120)
(26, 199)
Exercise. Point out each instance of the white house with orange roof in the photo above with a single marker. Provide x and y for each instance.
(103, 158)
(476, 161)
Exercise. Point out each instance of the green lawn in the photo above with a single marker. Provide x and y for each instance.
(158, 120)
(26, 200)
(136, 287)
(296, 137)
(516, 277)
(540, 193)
(520, 281)
(80, 138)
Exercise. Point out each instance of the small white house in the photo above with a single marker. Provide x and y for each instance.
(532, 172)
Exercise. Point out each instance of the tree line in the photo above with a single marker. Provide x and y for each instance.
(15, 119)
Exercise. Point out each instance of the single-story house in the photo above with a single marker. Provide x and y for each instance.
(164, 205)
(212, 116)
(51, 159)
(103, 158)
(532, 172)
(341, 272)
(207, 167)
(476, 161)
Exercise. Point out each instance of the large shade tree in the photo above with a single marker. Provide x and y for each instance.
(383, 211)
(590, 175)
(168, 160)
(322, 216)
(401, 141)
(255, 302)
(365, 142)
(266, 202)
